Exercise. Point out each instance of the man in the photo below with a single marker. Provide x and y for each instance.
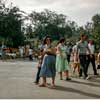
(91, 57)
(30, 54)
(68, 52)
(82, 47)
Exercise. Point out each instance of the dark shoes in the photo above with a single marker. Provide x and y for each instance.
(36, 83)
(98, 67)
(96, 74)
(80, 75)
(68, 79)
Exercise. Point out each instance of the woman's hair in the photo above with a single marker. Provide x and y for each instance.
(45, 39)
(62, 40)
(90, 40)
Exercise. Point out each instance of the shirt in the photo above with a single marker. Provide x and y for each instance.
(91, 47)
(74, 48)
(30, 51)
(82, 47)
(68, 50)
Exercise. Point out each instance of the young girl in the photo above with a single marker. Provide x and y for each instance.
(40, 57)
(76, 63)
(98, 60)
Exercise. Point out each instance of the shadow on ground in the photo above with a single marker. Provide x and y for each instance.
(66, 89)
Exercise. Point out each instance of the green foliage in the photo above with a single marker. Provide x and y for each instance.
(96, 20)
(96, 29)
(10, 25)
(50, 23)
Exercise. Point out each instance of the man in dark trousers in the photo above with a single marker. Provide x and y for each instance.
(91, 58)
(82, 47)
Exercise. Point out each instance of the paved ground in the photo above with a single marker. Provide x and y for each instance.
(16, 82)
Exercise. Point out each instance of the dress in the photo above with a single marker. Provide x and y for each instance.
(61, 59)
(48, 65)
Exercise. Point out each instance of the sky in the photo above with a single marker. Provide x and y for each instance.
(80, 11)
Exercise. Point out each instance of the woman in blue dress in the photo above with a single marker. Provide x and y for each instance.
(48, 65)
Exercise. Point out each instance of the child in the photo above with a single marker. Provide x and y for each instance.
(76, 63)
(40, 57)
(98, 60)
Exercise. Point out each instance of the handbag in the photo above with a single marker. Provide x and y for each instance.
(64, 55)
(50, 51)
(98, 67)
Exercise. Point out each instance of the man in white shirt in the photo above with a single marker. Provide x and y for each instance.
(91, 57)
(30, 54)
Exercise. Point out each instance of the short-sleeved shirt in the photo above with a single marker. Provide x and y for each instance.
(74, 49)
(82, 47)
(30, 51)
(92, 48)
(46, 47)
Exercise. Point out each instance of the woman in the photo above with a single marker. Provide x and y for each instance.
(61, 60)
(48, 65)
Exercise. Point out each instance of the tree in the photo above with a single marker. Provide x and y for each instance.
(50, 23)
(96, 29)
(88, 29)
(10, 25)
(96, 20)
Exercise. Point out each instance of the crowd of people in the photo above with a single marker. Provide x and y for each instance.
(21, 52)
(60, 59)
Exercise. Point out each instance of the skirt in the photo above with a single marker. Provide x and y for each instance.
(48, 66)
(61, 64)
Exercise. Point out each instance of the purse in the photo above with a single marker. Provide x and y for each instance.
(50, 51)
(98, 67)
(64, 55)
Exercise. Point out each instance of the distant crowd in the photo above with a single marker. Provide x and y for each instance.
(12, 53)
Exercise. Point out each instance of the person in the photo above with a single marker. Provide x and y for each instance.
(91, 57)
(82, 47)
(61, 60)
(21, 52)
(3, 54)
(98, 60)
(48, 69)
(30, 54)
(11, 51)
(76, 62)
(40, 57)
(40, 46)
(69, 51)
